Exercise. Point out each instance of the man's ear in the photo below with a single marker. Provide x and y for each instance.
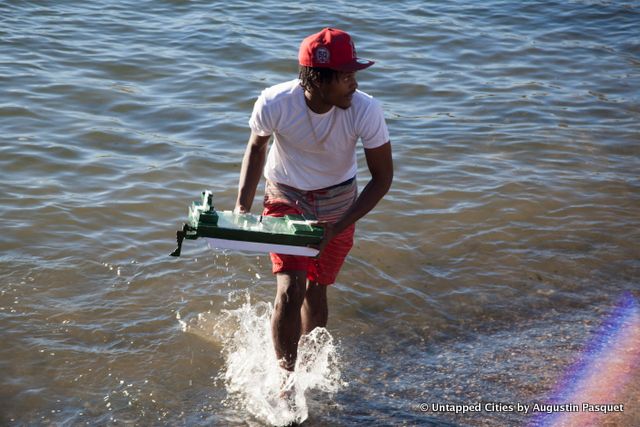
(315, 82)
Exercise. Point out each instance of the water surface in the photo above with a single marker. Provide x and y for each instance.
(509, 236)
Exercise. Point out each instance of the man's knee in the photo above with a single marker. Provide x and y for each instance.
(316, 293)
(315, 311)
(291, 290)
(315, 303)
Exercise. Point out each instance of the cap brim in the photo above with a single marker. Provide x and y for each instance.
(355, 65)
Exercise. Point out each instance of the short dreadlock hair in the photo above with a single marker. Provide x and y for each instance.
(315, 75)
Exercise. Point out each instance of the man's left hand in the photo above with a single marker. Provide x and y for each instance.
(329, 233)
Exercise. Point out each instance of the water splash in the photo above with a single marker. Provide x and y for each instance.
(604, 375)
(252, 376)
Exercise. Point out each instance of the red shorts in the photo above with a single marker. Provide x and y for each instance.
(324, 269)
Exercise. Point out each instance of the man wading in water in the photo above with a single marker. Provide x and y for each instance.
(310, 169)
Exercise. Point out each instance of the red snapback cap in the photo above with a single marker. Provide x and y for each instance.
(331, 48)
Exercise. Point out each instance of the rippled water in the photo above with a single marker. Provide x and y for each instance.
(509, 236)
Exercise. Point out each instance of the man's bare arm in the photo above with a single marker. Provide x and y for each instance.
(380, 163)
(251, 171)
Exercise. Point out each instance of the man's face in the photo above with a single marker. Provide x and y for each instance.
(339, 91)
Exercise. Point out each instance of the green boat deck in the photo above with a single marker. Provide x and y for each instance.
(205, 221)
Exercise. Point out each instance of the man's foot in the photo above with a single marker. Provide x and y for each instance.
(287, 386)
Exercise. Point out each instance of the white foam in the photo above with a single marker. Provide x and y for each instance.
(252, 375)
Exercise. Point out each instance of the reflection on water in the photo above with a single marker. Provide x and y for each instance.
(505, 242)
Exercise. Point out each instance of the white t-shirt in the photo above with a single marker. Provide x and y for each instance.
(312, 158)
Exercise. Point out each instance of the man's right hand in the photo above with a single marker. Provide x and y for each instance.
(251, 171)
(240, 210)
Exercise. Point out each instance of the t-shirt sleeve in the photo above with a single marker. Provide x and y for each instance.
(373, 128)
(261, 117)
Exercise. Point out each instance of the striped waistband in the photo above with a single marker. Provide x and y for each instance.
(326, 204)
(347, 182)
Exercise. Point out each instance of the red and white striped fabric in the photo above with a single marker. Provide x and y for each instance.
(328, 204)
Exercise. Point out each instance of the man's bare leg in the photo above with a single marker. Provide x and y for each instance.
(315, 311)
(286, 322)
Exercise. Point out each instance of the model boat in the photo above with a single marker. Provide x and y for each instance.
(290, 234)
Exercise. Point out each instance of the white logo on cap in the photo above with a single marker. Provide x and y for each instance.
(322, 55)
